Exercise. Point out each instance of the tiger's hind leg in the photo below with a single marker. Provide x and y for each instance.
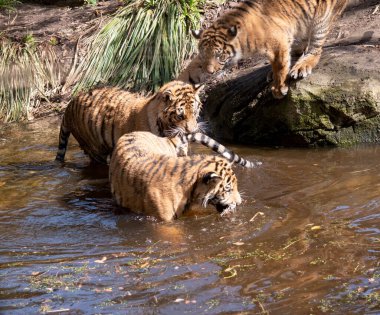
(64, 135)
(306, 64)
(317, 37)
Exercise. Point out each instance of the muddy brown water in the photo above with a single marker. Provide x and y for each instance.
(305, 241)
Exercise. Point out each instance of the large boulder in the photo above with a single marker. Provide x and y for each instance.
(339, 104)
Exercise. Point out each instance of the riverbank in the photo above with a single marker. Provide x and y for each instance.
(61, 33)
(56, 31)
(337, 105)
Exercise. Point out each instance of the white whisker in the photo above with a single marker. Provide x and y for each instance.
(174, 131)
(204, 126)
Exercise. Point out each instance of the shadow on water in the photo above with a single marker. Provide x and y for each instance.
(306, 240)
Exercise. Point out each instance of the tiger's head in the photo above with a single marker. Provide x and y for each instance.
(193, 73)
(217, 185)
(180, 108)
(218, 46)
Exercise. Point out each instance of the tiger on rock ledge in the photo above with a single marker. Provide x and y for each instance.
(279, 29)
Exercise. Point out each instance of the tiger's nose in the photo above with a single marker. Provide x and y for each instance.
(210, 69)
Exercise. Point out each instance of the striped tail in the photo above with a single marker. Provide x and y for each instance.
(64, 135)
(221, 149)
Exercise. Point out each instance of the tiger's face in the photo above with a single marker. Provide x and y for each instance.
(218, 186)
(181, 108)
(218, 47)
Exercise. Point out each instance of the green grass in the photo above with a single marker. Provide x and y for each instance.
(142, 46)
(8, 4)
(90, 2)
(27, 75)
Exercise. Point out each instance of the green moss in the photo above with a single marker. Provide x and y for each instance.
(335, 115)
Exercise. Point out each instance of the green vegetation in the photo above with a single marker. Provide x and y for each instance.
(27, 75)
(91, 2)
(142, 47)
(59, 278)
(29, 40)
(8, 4)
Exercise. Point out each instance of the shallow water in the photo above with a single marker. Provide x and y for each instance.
(305, 241)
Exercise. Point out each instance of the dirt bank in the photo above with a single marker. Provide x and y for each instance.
(60, 27)
(64, 28)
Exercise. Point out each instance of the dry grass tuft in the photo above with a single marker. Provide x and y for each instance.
(141, 47)
(27, 75)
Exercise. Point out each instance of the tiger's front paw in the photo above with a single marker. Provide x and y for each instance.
(279, 91)
(300, 70)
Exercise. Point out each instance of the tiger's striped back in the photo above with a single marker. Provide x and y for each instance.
(272, 27)
(147, 177)
(97, 119)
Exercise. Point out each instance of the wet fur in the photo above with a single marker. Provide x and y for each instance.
(147, 177)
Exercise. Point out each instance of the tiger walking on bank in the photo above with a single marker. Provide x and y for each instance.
(278, 29)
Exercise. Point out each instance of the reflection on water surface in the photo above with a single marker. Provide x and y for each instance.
(65, 245)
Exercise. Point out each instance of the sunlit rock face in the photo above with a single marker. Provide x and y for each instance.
(338, 104)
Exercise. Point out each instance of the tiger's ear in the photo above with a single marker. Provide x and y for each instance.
(211, 178)
(232, 31)
(167, 95)
(198, 87)
(197, 33)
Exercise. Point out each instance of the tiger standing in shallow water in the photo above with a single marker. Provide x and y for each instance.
(147, 177)
(97, 119)
(276, 28)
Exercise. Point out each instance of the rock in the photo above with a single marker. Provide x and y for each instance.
(339, 104)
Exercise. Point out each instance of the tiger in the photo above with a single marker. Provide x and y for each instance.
(180, 143)
(98, 118)
(148, 178)
(193, 72)
(279, 29)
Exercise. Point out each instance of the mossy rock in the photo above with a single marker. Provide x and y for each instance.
(339, 104)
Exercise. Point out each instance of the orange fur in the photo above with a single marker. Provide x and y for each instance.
(193, 72)
(97, 119)
(147, 177)
(279, 29)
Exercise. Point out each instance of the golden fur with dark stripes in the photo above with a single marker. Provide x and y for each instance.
(277, 28)
(97, 119)
(147, 177)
